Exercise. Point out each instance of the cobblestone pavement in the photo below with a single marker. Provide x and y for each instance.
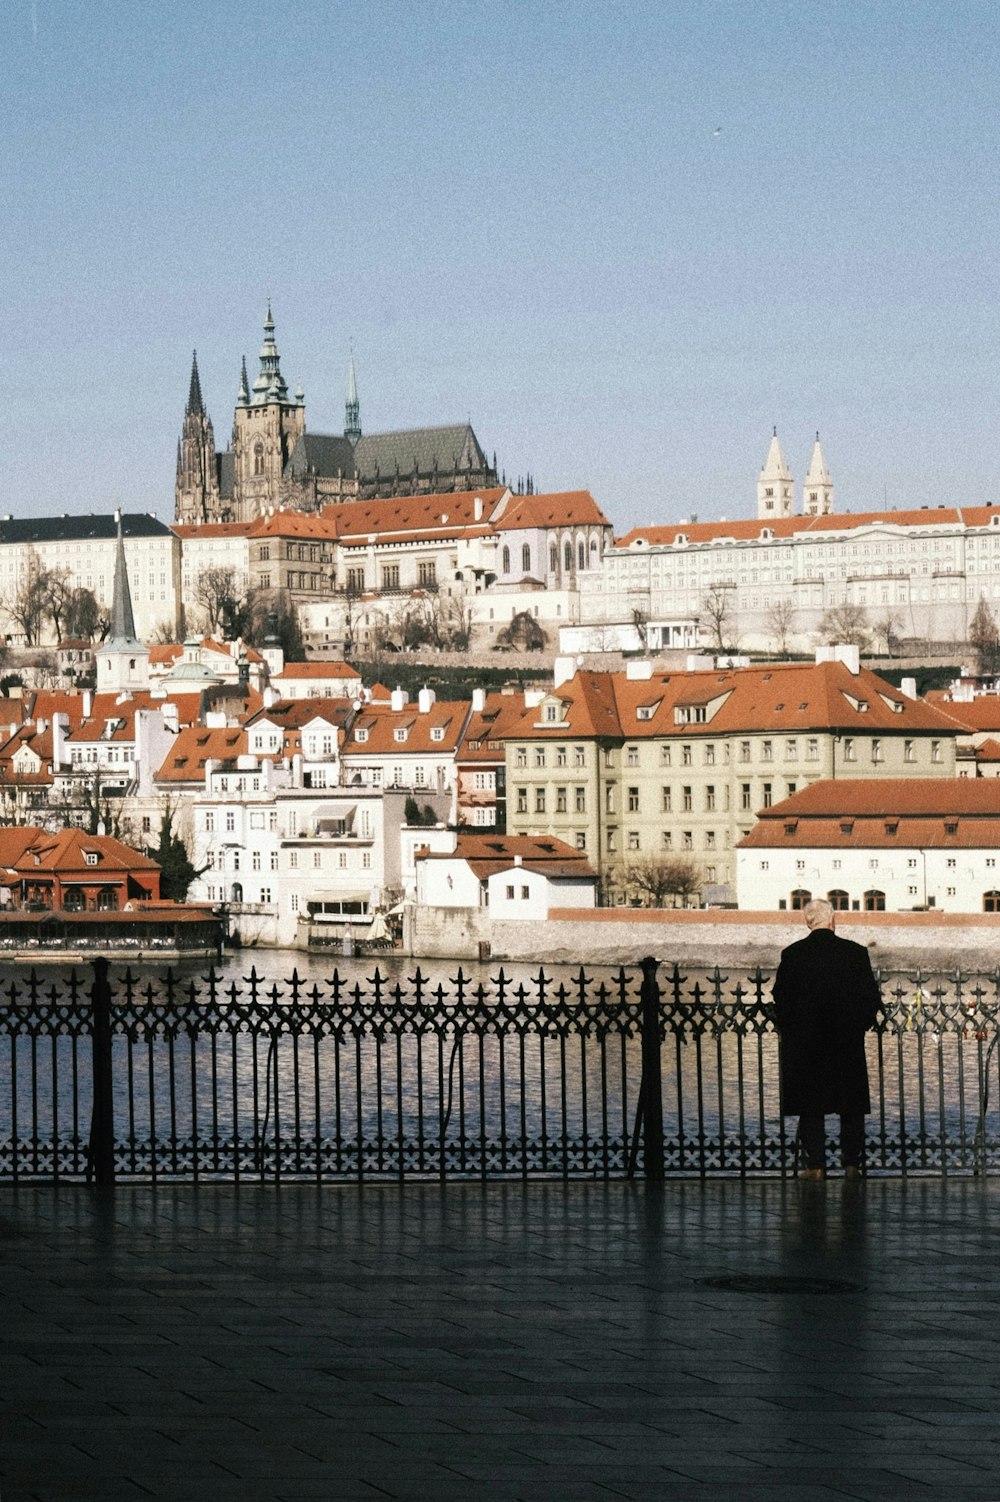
(547, 1342)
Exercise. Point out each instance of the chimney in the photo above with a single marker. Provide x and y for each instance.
(639, 669)
(169, 714)
(425, 700)
(477, 508)
(270, 697)
(563, 669)
(88, 703)
(60, 725)
(518, 860)
(478, 700)
(398, 700)
(849, 656)
(908, 686)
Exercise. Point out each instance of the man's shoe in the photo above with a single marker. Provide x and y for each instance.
(853, 1172)
(812, 1173)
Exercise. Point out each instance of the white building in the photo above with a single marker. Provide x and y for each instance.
(888, 844)
(517, 877)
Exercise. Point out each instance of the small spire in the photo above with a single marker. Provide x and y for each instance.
(352, 407)
(122, 619)
(194, 401)
(244, 396)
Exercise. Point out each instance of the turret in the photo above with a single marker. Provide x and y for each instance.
(817, 492)
(775, 486)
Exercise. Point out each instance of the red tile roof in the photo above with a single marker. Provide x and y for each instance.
(564, 508)
(195, 746)
(790, 526)
(379, 723)
(316, 670)
(884, 813)
(489, 853)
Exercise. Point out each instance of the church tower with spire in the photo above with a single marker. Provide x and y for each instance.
(267, 424)
(817, 492)
(196, 492)
(775, 486)
(352, 407)
(122, 660)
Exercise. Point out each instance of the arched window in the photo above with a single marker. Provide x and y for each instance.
(991, 901)
(581, 555)
(107, 900)
(553, 558)
(839, 901)
(236, 893)
(799, 899)
(568, 556)
(526, 557)
(874, 902)
(593, 551)
(505, 560)
(258, 458)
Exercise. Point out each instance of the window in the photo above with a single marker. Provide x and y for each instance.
(709, 839)
(746, 800)
(521, 756)
(874, 901)
(579, 756)
(539, 756)
(936, 751)
(767, 795)
(791, 749)
(255, 860)
(991, 901)
(839, 900)
(848, 748)
(668, 839)
(687, 840)
(799, 898)
(876, 748)
(390, 576)
(317, 859)
(581, 841)
(567, 556)
(744, 750)
(539, 800)
(560, 756)
(685, 756)
(510, 893)
(522, 800)
(631, 756)
(767, 750)
(580, 800)
(526, 557)
(230, 821)
(710, 756)
(633, 839)
(667, 801)
(427, 572)
(609, 797)
(274, 860)
(633, 800)
(560, 800)
(293, 859)
(812, 748)
(710, 799)
(909, 751)
(950, 862)
(505, 566)
(686, 799)
(665, 756)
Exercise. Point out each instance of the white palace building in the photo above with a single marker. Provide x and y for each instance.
(918, 573)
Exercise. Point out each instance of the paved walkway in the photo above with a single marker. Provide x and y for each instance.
(551, 1343)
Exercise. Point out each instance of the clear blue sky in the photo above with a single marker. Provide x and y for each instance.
(520, 213)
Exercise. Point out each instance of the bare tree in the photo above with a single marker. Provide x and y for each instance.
(846, 623)
(887, 628)
(28, 606)
(717, 605)
(223, 597)
(82, 614)
(656, 877)
(781, 623)
(58, 592)
(984, 636)
(524, 634)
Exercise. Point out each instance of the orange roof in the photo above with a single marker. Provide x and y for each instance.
(65, 850)
(284, 523)
(783, 697)
(195, 746)
(378, 724)
(316, 670)
(563, 508)
(192, 530)
(790, 526)
(489, 727)
(489, 853)
(884, 813)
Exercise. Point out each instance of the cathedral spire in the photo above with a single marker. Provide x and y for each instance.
(774, 488)
(270, 385)
(352, 407)
(194, 401)
(817, 492)
(243, 400)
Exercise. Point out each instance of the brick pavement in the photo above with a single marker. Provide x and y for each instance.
(545, 1343)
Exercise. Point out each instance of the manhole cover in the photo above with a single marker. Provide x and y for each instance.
(776, 1283)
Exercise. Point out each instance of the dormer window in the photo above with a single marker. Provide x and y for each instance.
(847, 826)
(892, 826)
(791, 826)
(437, 733)
(399, 735)
(361, 734)
(951, 826)
(90, 857)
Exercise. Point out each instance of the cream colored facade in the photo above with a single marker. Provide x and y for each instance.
(926, 570)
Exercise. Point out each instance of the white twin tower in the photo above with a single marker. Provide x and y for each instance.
(775, 497)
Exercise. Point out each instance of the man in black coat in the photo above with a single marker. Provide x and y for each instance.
(825, 1000)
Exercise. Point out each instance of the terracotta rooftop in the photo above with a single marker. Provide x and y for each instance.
(792, 526)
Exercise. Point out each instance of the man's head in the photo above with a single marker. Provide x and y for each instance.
(818, 914)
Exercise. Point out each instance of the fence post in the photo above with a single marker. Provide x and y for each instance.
(651, 1087)
(102, 1121)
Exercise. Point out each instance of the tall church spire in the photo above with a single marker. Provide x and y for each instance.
(352, 407)
(194, 401)
(243, 400)
(817, 492)
(774, 488)
(122, 660)
(270, 385)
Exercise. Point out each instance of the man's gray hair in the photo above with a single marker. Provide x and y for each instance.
(818, 913)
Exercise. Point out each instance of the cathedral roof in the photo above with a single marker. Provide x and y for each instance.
(448, 449)
(324, 454)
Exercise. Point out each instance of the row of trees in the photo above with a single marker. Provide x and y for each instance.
(45, 595)
(841, 623)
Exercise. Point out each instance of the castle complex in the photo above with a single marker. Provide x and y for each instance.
(273, 461)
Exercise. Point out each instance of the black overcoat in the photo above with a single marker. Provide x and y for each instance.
(825, 1000)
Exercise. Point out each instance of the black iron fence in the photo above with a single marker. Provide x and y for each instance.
(655, 1070)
